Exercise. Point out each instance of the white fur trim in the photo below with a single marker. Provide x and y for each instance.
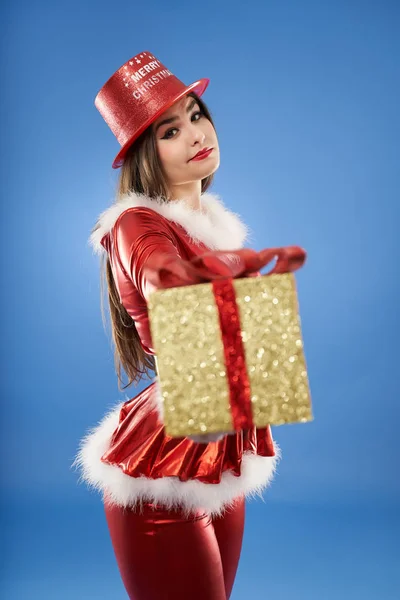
(214, 225)
(256, 474)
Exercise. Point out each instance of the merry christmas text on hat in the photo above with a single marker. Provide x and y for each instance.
(136, 95)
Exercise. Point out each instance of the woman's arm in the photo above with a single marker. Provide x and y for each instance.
(142, 242)
(148, 254)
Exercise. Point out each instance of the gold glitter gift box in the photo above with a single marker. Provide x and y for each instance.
(230, 352)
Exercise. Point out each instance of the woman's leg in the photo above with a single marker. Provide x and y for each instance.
(229, 530)
(162, 555)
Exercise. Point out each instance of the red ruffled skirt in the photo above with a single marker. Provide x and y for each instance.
(129, 458)
(140, 447)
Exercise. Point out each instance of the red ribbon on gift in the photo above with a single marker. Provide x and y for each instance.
(220, 267)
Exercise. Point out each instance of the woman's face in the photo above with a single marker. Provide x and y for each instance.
(186, 133)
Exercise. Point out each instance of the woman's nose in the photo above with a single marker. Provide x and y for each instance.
(197, 135)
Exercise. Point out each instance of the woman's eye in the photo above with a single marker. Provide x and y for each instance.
(167, 135)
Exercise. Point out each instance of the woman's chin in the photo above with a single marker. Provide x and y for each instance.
(206, 169)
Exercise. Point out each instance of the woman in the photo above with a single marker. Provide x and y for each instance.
(175, 507)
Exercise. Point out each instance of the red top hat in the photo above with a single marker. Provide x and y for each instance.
(136, 95)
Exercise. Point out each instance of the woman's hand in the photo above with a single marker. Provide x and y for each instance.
(206, 438)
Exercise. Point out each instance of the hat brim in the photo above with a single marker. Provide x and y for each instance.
(198, 87)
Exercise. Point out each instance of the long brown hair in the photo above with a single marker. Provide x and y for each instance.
(142, 173)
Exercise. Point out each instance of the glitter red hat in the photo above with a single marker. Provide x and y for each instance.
(136, 95)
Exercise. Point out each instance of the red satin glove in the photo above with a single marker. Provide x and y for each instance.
(222, 264)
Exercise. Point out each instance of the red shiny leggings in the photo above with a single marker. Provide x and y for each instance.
(163, 555)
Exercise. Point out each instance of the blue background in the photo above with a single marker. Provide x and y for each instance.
(305, 96)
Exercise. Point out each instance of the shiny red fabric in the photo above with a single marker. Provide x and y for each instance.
(143, 242)
(164, 555)
(147, 252)
(139, 446)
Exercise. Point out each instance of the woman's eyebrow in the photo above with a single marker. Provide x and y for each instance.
(171, 119)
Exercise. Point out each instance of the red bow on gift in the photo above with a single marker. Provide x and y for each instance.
(220, 264)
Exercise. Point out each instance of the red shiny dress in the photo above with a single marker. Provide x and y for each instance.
(128, 456)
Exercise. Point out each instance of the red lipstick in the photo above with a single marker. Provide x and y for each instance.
(202, 154)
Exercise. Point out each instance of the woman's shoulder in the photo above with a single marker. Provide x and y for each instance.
(214, 225)
(130, 209)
